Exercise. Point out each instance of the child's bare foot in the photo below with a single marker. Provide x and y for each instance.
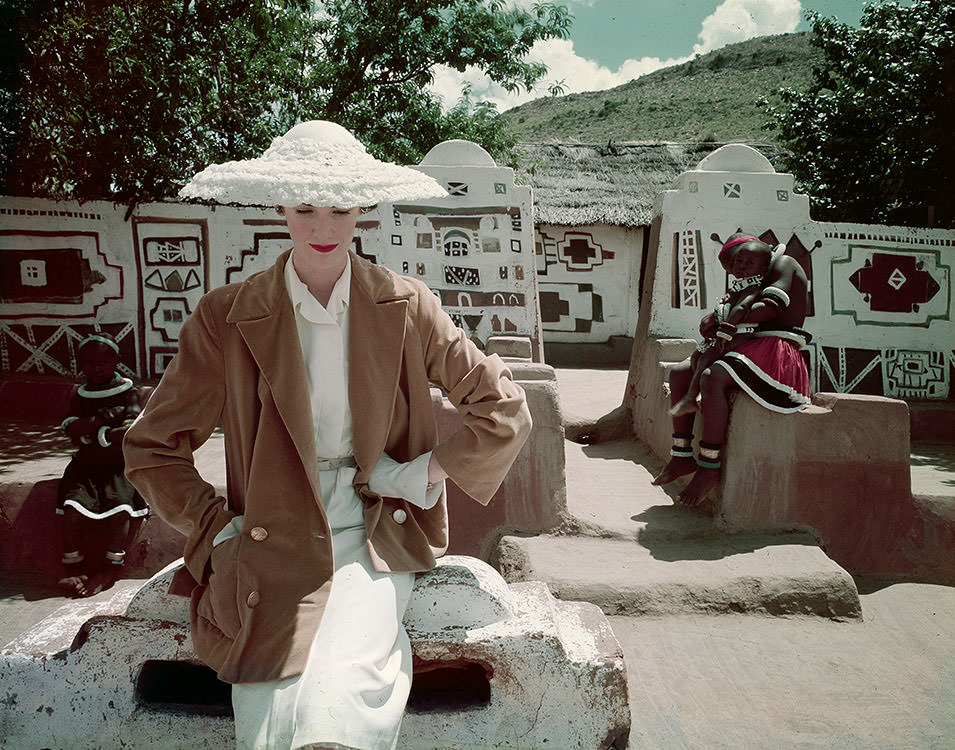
(100, 581)
(699, 487)
(684, 406)
(677, 466)
(72, 585)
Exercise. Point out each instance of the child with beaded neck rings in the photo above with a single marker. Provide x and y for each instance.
(723, 331)
(765, 362)
(94, 495)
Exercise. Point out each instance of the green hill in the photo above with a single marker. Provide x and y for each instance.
(711, 98)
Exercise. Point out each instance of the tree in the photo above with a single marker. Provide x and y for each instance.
(871, 138)
(126, 99)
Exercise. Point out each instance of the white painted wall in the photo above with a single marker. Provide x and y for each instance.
(588, 278)
(881, 296)
(68, 268)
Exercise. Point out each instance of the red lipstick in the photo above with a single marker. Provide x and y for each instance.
(322, 248)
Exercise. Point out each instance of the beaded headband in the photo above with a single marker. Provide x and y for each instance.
(734, 243)
(94, 339)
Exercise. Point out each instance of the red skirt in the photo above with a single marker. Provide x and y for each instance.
(771, 370)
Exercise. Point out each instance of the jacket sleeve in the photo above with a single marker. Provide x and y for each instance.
(496, 420)
(179, 416)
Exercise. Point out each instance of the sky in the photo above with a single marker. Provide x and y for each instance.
(614, 41)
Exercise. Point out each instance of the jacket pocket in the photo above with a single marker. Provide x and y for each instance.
(218, 602)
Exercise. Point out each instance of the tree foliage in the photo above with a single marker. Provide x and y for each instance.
(872, 135)
(126, 99)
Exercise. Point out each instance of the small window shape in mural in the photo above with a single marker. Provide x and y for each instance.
(519, 273)
(732, 190)
(457, 188)
(33, 272)
(404, 267)
(516, 223)
(172, 316)
(500, 188)
(462, 276)
(397, 216)
(425, 240)
(396, 239)
(456, 243)
(782, 195)
(515, 246)
(420, 268)
(490, 244)
(503, 272)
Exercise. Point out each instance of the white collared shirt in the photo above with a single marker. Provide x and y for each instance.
(323, 334)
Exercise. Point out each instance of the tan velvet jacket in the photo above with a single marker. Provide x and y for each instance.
(257, 599)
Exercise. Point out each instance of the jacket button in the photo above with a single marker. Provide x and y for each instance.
(253, 599)
(258, 534)
(399, 515)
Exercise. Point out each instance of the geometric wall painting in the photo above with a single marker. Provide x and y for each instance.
(55, 275)
(171, 258)
(890, 287)
(895, 373)
(569, 307)
(846, 370)
(51, 349)
(915, 374)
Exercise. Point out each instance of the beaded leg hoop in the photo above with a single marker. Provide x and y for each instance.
(709, 457)
(682, 446)
(116, 558)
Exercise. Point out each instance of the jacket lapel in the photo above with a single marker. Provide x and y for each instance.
(375, 346)
(263, 314)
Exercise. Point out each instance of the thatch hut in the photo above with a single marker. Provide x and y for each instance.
(593, 204)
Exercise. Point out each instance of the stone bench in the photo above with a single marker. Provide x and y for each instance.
(839, 468)
(532, 498)
(495, 665)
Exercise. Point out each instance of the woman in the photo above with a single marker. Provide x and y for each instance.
(318, 370)
(768, 366)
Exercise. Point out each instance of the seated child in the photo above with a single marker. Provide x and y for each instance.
(725, 328)
(94, 491)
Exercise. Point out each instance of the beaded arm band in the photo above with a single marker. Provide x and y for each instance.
(725, 330)
(776, 296)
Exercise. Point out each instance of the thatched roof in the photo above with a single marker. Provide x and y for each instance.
(613, 183)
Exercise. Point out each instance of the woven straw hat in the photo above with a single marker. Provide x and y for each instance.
(316, 162)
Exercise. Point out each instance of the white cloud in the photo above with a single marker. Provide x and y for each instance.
(738, 20)
(565, 66)
(732, 21)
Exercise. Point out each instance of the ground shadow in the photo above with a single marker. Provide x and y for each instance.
(22, 441)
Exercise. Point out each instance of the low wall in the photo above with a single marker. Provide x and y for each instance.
(532, 498)
(839, 468)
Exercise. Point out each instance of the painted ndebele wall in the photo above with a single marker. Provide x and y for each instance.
(70, 268)
(588, 277)
(880, 307)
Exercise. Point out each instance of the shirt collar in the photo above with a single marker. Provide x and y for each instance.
(310, 308)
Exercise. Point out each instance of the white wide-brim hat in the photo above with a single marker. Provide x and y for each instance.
(316, 162)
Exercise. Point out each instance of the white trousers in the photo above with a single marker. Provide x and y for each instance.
(356, 682)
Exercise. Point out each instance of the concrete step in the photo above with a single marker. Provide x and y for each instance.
(609, 495)
(783, 574)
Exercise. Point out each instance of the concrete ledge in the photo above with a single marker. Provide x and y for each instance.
(839, 467)
(714, 575)
(648, 391)
(533, 497)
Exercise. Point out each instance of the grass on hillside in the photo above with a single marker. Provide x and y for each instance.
(711, 98)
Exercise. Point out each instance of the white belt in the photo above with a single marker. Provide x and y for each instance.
(324, 464)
